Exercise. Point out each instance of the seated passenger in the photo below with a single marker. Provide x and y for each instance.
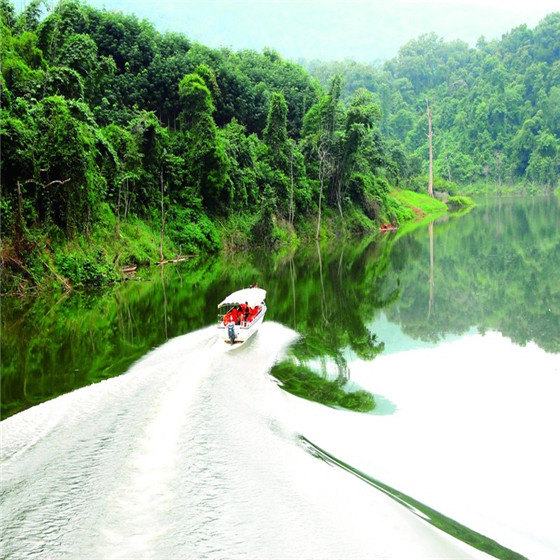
(234, 316)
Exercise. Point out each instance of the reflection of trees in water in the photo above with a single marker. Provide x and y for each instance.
(165, 320)
(52, 348)
(338, 292)
(431, 302)
(497, 269)
(92, 336)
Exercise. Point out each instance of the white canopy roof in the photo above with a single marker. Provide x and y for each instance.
(253, 296)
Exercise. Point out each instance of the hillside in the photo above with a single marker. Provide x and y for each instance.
(496, 107)
(122, 145)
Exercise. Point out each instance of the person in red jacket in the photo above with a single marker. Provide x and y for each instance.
(246, 312)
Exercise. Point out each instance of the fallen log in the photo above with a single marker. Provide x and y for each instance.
(175, 260)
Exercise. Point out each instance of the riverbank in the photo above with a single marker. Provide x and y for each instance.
(114, 250)
(55, 342)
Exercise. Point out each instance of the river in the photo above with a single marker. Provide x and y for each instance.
(399, 401)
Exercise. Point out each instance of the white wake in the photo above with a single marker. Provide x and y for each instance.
(193, 453)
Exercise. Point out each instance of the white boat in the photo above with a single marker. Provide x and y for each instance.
(240, 315)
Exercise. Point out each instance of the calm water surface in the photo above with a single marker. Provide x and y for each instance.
(452, 331)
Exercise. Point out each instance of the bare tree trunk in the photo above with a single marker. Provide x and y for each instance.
(126, 201)
(324, 171)
(18, 241)
(339, 203)
(291, 212)
(430, 134)
(162, 217)
(88, 223)
(448, 168)
(118, 217)
(320, 198)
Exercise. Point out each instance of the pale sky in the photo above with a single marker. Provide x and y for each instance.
(333, 29)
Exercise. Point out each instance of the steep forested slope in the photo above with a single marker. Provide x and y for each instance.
(115, 132)
(121, 144)
(496, 107)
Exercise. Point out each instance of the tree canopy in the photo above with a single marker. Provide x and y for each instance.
(100, 110)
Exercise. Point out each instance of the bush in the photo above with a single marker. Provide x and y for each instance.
(193, 231)
(395, 212)
(459, 202)
(85, 270)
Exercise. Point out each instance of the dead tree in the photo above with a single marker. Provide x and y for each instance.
(162, 215)
(430, 134)
(291, 211)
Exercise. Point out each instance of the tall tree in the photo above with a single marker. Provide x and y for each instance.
(205, 152)
(431, 163)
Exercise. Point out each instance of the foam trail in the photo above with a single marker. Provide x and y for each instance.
(192, 454)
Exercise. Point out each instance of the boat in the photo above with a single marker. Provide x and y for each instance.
(241, 314)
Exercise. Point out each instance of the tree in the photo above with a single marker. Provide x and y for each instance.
(65, 147)
(323, 138)
(544, 162)
(205, 152)
(275, 134)
(430, 135)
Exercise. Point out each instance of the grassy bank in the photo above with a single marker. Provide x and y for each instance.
(421, 204)
(51, 259)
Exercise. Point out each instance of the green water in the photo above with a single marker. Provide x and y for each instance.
(496, 268)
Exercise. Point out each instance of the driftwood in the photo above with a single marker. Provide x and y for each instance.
(175, 260)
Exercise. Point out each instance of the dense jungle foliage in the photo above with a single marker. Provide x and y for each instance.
(121, 144)
(116, 132)
(496, 107)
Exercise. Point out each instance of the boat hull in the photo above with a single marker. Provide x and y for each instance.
(244, 331)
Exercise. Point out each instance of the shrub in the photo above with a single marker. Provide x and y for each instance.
(194, 231)
(85, 270)
(459, 202)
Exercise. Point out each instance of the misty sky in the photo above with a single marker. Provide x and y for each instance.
(333, 29)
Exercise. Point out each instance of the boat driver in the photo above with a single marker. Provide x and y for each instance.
(247, 312)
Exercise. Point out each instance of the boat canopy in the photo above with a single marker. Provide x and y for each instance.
(253, 296)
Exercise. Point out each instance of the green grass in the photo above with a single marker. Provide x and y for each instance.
(421, 204)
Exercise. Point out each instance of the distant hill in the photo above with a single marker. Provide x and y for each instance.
(496, 106)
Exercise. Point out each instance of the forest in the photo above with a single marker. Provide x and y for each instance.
(121, 144)
(496, 107)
